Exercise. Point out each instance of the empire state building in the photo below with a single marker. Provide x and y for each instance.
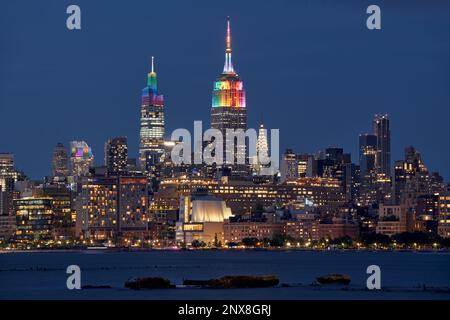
(228, 109)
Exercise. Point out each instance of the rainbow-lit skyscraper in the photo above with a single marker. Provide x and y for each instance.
(151, 146)
(228, 109)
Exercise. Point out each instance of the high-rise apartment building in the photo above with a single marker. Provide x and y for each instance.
(444, 214)
(8, 176)
(116, 155)
(367, 153)
(114, 208)
(383, 133)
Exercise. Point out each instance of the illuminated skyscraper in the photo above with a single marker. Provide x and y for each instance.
(6, 195)
(368, 171)
(8, 175)
(228, 98)
(151, 146)
(262, 145)
(116, 155)
(81, 158)
(60, 161)
(6, 163)
(367, 153)
(7, 169)
(262, 151)
(383, 133)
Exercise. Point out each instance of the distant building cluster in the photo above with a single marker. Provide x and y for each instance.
(150, 201)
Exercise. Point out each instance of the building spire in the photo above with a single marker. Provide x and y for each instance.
(151, 80)
(228, 40)
(228, 67)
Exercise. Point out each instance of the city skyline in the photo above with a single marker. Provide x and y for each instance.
(224, 151)
(302, 141)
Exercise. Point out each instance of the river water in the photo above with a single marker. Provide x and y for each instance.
(404, 275)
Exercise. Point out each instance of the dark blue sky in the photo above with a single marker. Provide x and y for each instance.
(310, 68)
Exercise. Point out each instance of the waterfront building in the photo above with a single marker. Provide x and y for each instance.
(238, 231)
(337, 229)
(114, 208)
(34, 218)
(64, 217)
(394, 219)
(444, 214)
(152, 125)
(306, 229)
(60, 161)
(116, 155)
(201, 218)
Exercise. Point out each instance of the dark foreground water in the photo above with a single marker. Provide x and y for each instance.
(404, 275)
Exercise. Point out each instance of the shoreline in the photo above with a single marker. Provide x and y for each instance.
(73, 250)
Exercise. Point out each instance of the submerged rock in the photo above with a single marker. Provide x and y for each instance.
(334, 279)
(149, 283)
(103, 286)
(228, 282)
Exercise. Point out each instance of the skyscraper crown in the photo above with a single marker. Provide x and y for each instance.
(228, 67)
(150, 94)
(151, 80)
(228, 87)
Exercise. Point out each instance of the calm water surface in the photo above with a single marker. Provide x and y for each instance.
(405, 275)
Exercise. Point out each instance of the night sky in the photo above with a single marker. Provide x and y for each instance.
(310, 68)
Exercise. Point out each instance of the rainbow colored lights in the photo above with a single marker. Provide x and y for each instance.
(228, 88)
(150, 92)
(228, 92)
(80, 149)
(228, 67)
